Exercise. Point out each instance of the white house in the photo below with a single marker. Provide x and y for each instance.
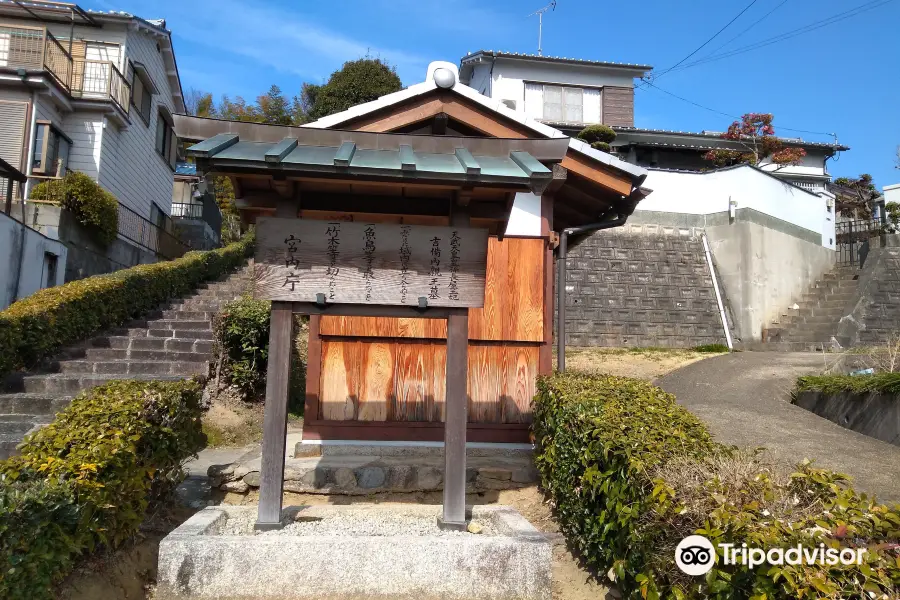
(569, 94)
(553, 90)
(94, 92)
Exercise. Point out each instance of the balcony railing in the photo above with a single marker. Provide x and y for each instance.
(35, 49)
(206, 210)
(100, 79)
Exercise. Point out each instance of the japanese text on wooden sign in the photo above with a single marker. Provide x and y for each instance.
(370, 263)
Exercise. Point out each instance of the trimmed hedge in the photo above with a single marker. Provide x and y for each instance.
(88, 477)
(881, 383)
(613, 454)
(242, 342)
(598, 136)
(90, 204)
(39, 325)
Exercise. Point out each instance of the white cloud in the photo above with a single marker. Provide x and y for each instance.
(278, 38)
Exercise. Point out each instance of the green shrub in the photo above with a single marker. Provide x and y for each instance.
(631, 473)
(882, 383)
(242, 342)
(711, 348)
(38, 540)
(88, 477)
(37, 326)
(90, 204)
(598, 136)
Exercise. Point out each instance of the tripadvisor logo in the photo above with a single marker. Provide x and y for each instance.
(696, 555)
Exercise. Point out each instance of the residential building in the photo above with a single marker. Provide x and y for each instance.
(94, 92)
(565, 93)
(569, 94)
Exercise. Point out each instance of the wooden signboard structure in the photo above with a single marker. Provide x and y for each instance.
(374, 270)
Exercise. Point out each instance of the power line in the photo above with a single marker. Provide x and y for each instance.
(752, 25)
(731, 115)
(746, 8)
(873, 4)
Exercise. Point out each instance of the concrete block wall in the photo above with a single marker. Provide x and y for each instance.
(880, 299)
(631, 288)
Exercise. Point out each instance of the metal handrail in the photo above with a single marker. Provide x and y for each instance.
(64, 78)
(138, 230)
(111, 84)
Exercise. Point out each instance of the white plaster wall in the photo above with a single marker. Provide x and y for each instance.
(509, 78)
(525, 218)
(892, 193)
(708, 193)
(32, 273)
(481, 79)
(86, 130)
(130, 166)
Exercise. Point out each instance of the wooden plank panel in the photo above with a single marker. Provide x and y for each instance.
(377, 387)
(487, 323)
(338, 393)
(523, 315)
(436, 380)
(484, 383)
(410, 383)
(405, 381)
(519, 372)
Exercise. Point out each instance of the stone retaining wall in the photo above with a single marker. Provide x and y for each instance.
(875, 415)
(636, 289)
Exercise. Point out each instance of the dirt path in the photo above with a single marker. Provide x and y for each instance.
(745, 399)
(640, 363)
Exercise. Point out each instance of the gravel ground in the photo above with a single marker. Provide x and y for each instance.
(352, 523)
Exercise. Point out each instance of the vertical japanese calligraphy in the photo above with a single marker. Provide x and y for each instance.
(333, 234)
(369, 253)
(453, 286)
(405, 254)
(435, 272)
(301, 260)
(291, 262)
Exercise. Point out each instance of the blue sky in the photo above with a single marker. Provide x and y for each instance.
(842, 78)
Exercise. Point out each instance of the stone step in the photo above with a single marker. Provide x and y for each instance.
(782, 347)
(188, 334)
(32, 404)
(71, 384)
(187, 315)
(16, 424)
(134, 367)
(330, 448)
(179, 324)
(364, 475)
(100, 354)
(175, 344)
(8, 443)
(198, 305)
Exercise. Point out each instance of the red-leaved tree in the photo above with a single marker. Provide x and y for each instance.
(755, 133)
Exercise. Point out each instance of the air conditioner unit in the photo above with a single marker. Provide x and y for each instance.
(510, 103)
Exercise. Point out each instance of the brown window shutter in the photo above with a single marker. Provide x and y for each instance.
(12, 137)
(78, 54)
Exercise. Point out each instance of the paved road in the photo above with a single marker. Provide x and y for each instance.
(745, 399)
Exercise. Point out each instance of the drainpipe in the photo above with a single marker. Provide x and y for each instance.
(561, 283)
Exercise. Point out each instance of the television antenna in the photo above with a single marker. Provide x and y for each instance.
(540, 13)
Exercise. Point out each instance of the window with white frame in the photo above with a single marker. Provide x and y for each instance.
(570, 104)
(51, 151)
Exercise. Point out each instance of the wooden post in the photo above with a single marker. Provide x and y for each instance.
(271, 484)
(454, 515)
(456, 404)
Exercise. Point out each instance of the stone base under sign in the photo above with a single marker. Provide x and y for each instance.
(355, 552)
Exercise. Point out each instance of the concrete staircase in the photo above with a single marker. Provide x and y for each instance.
(172, 343)
(814, 325)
